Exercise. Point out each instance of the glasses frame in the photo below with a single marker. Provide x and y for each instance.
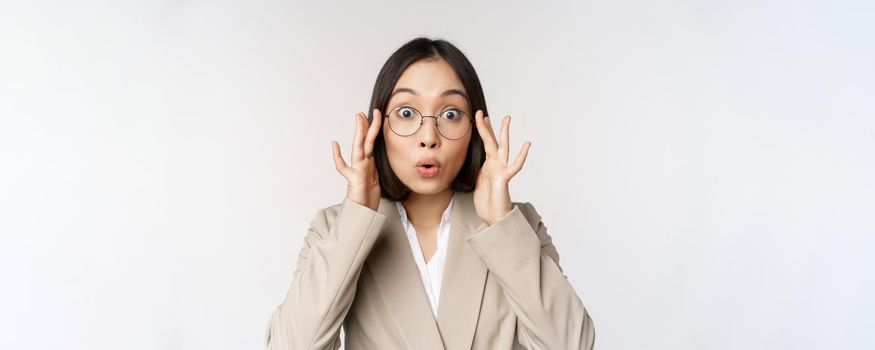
(436, 125)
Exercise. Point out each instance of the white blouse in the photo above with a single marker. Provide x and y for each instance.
(431, 272)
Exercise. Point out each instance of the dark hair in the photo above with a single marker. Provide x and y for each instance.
(415, 50)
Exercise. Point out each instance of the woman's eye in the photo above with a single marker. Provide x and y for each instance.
(405, 112)
(451, 114)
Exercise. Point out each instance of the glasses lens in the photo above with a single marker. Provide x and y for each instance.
(404, 121)
(453, 123)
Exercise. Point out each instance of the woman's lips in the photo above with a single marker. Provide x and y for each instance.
(428, 166)
(427, 171)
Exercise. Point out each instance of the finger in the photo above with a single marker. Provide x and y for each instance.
(373, 130)
(491, 131)
(521, 158)
(357, 140)
(339, 163)
(503, 144)
(485, 133)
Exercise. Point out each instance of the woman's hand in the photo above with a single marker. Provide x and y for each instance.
(361, 175)
(491, 195)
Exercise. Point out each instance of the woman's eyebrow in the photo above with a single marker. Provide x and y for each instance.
(446, 93)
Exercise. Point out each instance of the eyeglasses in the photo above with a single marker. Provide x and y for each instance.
(452, 123)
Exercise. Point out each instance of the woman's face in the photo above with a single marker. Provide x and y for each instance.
(431, 87)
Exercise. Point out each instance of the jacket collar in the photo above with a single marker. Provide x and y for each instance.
(392, 265)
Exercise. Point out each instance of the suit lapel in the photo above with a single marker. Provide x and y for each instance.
(464, 278)
(397, 276)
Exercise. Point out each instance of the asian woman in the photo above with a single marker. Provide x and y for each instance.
(427, 250)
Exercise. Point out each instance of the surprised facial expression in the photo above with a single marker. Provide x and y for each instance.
(429, 159)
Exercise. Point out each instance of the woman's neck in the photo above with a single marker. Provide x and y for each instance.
(425, 210)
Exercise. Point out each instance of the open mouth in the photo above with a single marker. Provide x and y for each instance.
(428, 162)
(428, 167)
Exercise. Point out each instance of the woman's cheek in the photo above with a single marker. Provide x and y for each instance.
(459, 158)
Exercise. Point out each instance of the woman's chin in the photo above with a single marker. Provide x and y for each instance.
(427, 187)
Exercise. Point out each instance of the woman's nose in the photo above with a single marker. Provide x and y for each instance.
(428, 133)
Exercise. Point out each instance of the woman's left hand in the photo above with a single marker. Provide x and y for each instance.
(492, 195)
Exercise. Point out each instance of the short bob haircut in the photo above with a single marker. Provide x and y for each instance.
(415, 50)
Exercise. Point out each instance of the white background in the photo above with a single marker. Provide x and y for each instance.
(705, 167)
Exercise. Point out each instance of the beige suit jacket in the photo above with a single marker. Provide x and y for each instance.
(502, 286)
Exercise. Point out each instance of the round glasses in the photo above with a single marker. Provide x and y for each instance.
(452, 123)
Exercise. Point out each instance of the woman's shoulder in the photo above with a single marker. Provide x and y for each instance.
(529, 212)
(326, 216)
(330, 211)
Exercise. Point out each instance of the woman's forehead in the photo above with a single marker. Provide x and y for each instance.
(406, 93)
(429, 79)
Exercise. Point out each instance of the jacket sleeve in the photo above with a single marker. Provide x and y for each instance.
(518, 251)
(324, 282)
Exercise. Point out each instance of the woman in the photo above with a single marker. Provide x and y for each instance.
(427, 251)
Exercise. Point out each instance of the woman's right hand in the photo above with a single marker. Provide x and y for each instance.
(361, 175)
